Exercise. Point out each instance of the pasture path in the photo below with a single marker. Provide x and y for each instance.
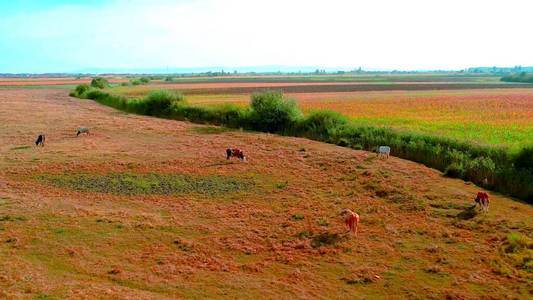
(268, 228)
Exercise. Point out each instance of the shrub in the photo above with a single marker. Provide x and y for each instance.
(520, 77)
(95, 94)
(169, 79)
(99, 83)
(524, 160)
(139, 81)
(480, 170)
(454, 170)
(272, 112)
(324, 125)
(231, 115)
(158, 102)
(81, 89)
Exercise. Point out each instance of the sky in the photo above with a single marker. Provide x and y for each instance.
(73, 36)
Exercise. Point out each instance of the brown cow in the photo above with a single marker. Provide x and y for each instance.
(482, 199)
(351, 219)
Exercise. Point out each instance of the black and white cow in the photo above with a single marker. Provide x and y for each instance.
(233, 152)
(40, 140)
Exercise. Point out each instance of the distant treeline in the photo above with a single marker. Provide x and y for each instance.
(490, 167)
(521, 77)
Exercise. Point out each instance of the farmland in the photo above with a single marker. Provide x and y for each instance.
(47, 82)
(495, 117)
(473, 109)
(150, 208)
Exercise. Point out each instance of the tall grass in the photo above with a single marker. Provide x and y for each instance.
(490, 167)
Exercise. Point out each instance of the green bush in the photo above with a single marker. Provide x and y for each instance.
(158, 102)
(81, 89)
(169, 79)
(454, 170)
(139, 81)
(520, 77)
(524, 160)
(99, 83)
(480, 170)
(324, 125)
(95, 94)
(272, 112)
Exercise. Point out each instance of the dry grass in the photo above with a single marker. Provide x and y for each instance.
(62, 242)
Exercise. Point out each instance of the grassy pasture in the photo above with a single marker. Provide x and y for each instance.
(280, 238)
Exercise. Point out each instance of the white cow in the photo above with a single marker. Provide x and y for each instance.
(383, 151)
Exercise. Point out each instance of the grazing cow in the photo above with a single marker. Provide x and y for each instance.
(83, 130)
(482, 199)
(235, 153)
(351, 220)
(40, 140)
(383, 151)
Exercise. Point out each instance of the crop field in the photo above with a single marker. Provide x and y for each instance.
(222, 88)
(479, 110)
(60, 82)
(149, 208)
(495, 117)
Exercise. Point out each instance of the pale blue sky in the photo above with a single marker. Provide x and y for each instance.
(69, 36)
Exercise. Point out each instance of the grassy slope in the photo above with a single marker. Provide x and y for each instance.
(416, 234)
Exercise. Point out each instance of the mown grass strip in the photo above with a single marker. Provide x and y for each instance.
(137, 184)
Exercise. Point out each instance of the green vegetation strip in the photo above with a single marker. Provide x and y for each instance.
(491, 167)
(522, 77)
(138, 184)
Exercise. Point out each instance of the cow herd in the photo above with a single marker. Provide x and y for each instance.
(41, 137)
(350, 218)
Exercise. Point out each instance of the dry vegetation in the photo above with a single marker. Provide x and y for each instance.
(137, 224)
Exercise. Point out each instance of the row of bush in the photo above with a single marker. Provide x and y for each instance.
(102, 83)
(520, 77)
(492, 168)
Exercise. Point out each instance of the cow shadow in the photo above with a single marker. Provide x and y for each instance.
(220, 163)
(468, 213)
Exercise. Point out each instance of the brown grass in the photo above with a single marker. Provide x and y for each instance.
(65, 243)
